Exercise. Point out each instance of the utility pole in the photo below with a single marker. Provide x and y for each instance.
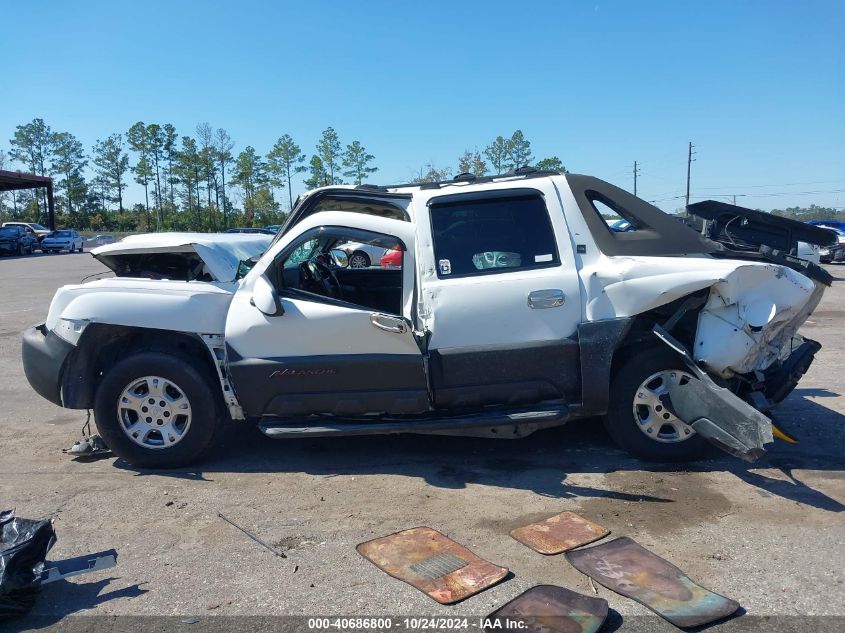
(689, 165)
(734, 199)
(636, 172)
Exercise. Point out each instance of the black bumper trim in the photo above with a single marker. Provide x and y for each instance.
(44, 356)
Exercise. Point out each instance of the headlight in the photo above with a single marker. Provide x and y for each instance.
(70, 329)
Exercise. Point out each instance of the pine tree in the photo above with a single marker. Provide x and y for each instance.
(519, 151)
(285, 160)
(68, 160)
(112, 162)
(328, 149)
(497, 153)
(357, 161)
(318, 177)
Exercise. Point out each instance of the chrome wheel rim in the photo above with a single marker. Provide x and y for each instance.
(358, 261)
(653, 411)
(154, 412)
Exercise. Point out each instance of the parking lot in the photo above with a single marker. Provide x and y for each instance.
(769, 535)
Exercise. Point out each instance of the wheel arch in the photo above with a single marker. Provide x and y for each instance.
(608, 343)
(102, 345)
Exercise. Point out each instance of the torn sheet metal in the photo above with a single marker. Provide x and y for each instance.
(549, 609)
(58, 570)
(624, 566)
(750, 319)
(752, 312)
(433, 563)
(560, 533)
(716, 413)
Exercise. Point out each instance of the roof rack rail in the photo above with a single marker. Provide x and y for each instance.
(371, 187)
(521, 172)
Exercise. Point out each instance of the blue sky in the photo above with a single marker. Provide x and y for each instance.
(759, 87)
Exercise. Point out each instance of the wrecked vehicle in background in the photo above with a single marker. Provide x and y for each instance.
(514, 308)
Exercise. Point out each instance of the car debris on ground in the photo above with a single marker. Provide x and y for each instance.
(24, 544)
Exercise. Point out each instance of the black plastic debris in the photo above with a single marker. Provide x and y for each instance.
(24, 544)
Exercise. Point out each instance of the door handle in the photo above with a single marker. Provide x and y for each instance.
(388, 323)
(539, 299)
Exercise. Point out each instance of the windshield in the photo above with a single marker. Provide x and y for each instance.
(38, 227)
(60, 234)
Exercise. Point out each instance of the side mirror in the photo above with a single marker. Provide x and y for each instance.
(265, 297)
(339, 258)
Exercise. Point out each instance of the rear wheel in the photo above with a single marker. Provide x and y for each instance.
(359, 259)
(640, 418)
(156, 410)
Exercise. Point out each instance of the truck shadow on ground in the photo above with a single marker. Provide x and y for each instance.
(540, 463)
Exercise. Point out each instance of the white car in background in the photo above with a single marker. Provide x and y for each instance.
(362, 255)
(63, 240)
(99, 240)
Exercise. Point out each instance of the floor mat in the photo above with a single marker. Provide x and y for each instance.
(433, 563)
(559, 533)
(549, 609)
(626, 567)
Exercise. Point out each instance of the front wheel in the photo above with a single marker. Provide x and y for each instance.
(156, 410)
(640, 418)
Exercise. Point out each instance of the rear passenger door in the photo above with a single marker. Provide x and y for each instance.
(501, 299)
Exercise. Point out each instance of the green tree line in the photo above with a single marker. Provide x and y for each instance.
(197, 182)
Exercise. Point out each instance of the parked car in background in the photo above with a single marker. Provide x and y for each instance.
(250, 229)
(392, 259)
(828, 224)
(362, 255)
(99, 240)
(20, 240)
(835, 253)
(38, 230)
(63, 240)
(273, 227)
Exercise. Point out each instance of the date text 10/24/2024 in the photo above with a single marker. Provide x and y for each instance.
(416, 624)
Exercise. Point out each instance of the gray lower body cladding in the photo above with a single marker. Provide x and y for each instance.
(44, 355)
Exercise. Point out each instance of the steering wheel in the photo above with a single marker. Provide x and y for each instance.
(319, 273)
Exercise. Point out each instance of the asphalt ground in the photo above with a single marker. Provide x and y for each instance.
(770, 535)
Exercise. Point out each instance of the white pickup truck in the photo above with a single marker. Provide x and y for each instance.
(515, 308)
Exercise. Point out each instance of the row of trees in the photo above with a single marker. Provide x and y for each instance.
(197, 182)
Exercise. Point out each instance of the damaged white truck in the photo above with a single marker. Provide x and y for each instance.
(515, 308)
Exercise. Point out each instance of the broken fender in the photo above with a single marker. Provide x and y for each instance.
(716, 413)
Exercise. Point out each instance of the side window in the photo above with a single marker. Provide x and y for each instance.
(492, 235)
(346, 265)
(617, 218)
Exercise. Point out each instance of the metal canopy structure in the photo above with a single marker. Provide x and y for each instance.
(15, 180)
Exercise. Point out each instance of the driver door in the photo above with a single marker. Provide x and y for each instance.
(350, 351)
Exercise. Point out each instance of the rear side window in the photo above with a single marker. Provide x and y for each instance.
(492, 235)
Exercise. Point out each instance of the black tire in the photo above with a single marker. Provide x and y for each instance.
(622, 423)
(198, 386)
(365, 259)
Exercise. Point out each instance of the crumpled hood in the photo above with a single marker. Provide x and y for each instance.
(220, 252)
(179, 306)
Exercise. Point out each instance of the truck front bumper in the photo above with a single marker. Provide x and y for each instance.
(44, 355)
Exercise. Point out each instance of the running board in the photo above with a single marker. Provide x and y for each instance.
(504, 423)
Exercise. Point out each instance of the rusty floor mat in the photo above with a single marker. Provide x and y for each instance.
(433, 563)
(549, 609)
(624, 566)
(559, 533)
